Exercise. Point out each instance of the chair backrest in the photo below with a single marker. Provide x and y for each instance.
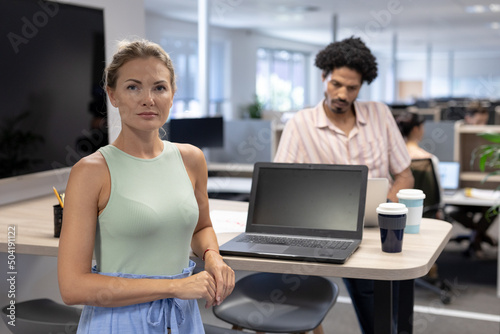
(426, 179)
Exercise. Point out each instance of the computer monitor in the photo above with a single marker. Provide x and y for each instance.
(53, 109)
(449, 173)
(205, 132)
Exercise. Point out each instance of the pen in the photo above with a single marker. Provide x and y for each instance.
(58, 197)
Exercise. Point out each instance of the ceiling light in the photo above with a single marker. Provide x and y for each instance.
(476, 9)
(494, 7)
(495, 25)
(290, 17)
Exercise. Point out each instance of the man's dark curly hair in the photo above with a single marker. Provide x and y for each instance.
(350, 52)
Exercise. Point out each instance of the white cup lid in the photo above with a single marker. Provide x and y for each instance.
(410, 194)
(392, 209)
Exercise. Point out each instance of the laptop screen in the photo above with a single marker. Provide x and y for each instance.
(308, 196)
(449, 173)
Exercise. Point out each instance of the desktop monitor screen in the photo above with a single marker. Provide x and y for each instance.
(449, 173)
(53, 109)
(206, 132)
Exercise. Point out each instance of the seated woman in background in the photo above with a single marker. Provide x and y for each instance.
(411, 126)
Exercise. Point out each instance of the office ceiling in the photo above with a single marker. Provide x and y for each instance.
(442, 25)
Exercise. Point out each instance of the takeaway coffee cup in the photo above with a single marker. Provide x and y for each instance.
(414, 201)
(392, 222)
(58, 216)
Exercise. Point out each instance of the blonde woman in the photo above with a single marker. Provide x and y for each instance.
(141, 205)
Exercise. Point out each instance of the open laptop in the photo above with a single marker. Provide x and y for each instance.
(376, 193)
(294, 208)
(449, 176)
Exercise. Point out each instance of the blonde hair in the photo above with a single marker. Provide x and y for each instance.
(128, 51)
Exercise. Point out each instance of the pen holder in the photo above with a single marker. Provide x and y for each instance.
(58, 217)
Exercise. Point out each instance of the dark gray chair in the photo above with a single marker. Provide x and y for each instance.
(426, 179)
(210, 329)
(42, 316)
(279, 303)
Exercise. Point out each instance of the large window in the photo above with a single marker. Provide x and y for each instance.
(184, 55)
(281, 79)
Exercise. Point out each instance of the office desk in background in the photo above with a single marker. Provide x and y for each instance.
(230, 169)
(459, 198)
(241, 185)
(33, 220)
(229, 181)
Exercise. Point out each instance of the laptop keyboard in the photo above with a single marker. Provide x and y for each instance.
(300, 242)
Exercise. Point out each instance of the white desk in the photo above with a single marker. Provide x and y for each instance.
(34, 235)
(459, 198)
(230, 169)
(420, 251)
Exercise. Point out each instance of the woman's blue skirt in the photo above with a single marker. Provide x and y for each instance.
(156, 317)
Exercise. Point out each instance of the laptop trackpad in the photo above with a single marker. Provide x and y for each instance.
(277, 249)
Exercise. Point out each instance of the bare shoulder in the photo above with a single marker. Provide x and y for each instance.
(93, 165)
(93, 162)
(192, 156)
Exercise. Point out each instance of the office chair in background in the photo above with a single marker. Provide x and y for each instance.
(42, 316)
(426, 179)
(279, 303)
(476, 219)
(210, 329)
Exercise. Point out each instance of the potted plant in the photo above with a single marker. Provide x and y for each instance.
(488, 156)
(255, 109)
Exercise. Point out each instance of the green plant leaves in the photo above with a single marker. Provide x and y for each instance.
(492, 137)
(488, 155)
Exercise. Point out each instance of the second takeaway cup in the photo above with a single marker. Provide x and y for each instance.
(392, 221)
(414, 201)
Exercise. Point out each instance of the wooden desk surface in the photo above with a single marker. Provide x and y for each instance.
(34, 235)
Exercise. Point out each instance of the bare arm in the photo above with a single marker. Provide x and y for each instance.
(86, 195)
(403, 180)
(204, 235)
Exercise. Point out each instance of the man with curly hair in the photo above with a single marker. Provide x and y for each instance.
(342, 130)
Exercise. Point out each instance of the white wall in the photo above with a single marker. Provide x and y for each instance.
(122, 19)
